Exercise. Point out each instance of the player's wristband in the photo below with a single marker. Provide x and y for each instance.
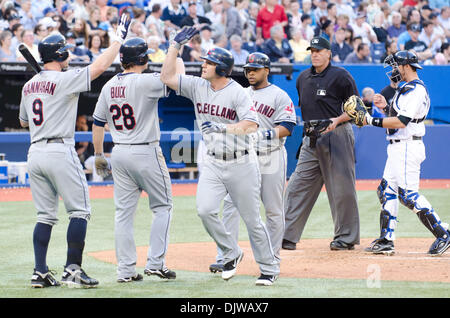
(377, 122)
(269, 134)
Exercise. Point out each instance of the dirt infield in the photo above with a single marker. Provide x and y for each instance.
(313, 259)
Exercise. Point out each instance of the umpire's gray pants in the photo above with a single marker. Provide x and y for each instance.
(331, 162)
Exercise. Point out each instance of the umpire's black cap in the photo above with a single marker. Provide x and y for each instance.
(319, 43)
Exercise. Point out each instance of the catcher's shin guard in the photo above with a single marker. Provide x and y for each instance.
(387, 224)
(389, 209)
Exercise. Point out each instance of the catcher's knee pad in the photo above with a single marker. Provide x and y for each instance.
(408, 198)
(385, 192)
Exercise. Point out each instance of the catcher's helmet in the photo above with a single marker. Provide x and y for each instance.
(223, 58)
(54, 48)
(257, 60)
(135, 51)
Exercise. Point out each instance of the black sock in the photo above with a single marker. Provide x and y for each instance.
(76, 234)
(41, 238)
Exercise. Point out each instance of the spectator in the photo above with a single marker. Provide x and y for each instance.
(438, 4)
(249, 34)
(94, 21)
(438, 28)
(206, 35)
(432, 39)
(397, 27)
(173, 14)
(421, 49)
(320, 10)
(193, 51)
(94, 46)
(154, 23)
(50, 12)
(294, 15)
(158, 56)
(40, 32)
(37, 8)
(404, 12)
(372, 9)
(27, 37)
(443, 57)
(7, 54)
(84, 149)
(239, 54)
(343, 8)
(13, 18)
(271, 14)
(425, 12)
(342, 21)
(444, 20)
(307, 8)
(378, 27)
(299, 45)
(361, 56)
(363, 29)
(306, 26)
(278, 48)
(233, 19)
(357, 40)
(48, 23)
(192, 19)
(217, 18)
(136, 29)
(79, 10)
(391, 48)
(121, 5)
(103, 5)
(414, 16)
(242, 7)
(221, 41)
(339, 48)
(27, 19)
(77, 53)
(81, 31)
(332, 13)
(411, 28)
(367, 98)
(16, 31)
(327, 30)
(139, 15)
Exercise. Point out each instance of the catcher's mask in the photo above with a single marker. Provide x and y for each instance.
(393, 74)
(400, 58)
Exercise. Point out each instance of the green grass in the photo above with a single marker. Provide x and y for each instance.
(16, 264)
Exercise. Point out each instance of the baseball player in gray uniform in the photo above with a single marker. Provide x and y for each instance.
(226, 113)
(129, 104)
(49, 108)
(277, 119)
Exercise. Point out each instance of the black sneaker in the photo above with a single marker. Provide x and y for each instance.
(216, 267)
(135, 278)
(39, 280)
(440, 245)
(75, 277)
(229, 269)
(163, 273)
(265, 280)
(341, 246)
(288, 245)
(381, 246)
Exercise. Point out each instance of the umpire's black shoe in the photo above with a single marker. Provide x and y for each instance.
(75, 277)
(39, 280)
(341, 246)
(163, 273)
(288, 245)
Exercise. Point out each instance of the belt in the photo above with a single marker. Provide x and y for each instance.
(236, 155)
(264, 153)
(393, 141)
(138, 144)
(50, 140)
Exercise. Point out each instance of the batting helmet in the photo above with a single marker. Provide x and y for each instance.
(257, 60)
(54, 48)
(223, 59)
(134, 51)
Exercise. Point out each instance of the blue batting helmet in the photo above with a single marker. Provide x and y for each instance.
(135, 51)
(222, 58)
(54, 48)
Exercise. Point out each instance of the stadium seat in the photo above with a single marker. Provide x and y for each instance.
(376, 51)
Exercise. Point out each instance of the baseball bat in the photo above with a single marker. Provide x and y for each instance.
(29, 58)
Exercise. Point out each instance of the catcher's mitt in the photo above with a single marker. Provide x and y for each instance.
(356, 110)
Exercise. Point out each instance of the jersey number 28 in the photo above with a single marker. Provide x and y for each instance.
(127, 114)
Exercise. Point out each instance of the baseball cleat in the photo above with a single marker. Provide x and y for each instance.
(163, 273)
(229, 269)
(381, 246)
(39, 280)
(341, 246)
(135, 278)
(440, 245)
(75, 277)
(265, 280)
(216, 267)
(288, 245)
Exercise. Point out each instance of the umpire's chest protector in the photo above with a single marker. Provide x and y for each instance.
(321, 95)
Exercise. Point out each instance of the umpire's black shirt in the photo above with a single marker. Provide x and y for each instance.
(321, 95)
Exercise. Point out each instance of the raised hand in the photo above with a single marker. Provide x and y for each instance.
(209, 127)
(184, 36)
(122, 28)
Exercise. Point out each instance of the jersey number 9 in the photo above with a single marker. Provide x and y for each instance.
(38, 111)
(127, 114)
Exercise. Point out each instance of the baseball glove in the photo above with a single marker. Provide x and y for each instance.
(102, 165)
(356, 110)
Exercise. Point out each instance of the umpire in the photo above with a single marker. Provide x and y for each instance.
(327, 158)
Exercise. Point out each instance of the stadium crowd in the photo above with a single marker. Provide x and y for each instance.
(362, 31)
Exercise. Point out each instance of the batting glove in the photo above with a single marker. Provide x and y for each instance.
(209, 127)
(122, 29)
(102, 165)
(184, 36)
(263, 135)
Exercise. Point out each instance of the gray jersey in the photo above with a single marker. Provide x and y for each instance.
(132, 118)
(52, 97)
(228, 105)
(273, 106)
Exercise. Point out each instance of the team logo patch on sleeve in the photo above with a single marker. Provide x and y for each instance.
(321, 92)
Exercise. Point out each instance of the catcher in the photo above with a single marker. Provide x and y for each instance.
(406, 152)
